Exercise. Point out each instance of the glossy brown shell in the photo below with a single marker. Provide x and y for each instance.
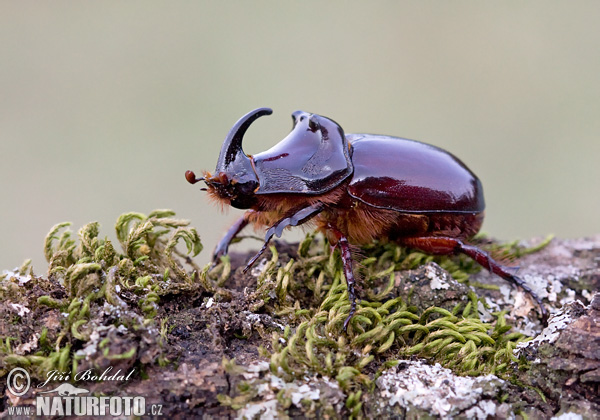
(412, 177)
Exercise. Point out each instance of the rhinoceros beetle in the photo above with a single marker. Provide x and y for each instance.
(355, 188)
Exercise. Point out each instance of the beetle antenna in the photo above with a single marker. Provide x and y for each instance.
(190, 176)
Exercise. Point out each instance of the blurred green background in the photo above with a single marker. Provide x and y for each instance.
(104, 105)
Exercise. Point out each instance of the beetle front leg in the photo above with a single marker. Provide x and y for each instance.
(448, 246)
(223, 245)
(297, 218)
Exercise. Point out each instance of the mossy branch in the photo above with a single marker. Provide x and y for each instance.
(92, 273)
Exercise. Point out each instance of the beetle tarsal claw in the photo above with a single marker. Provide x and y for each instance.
(350, 315)
(255, 258)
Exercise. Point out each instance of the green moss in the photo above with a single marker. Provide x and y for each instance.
(97, 285)
(384, 328)
(90, 273)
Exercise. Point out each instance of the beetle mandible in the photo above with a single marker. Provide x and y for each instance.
(355, 188)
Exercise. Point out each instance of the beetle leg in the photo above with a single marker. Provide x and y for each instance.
(347, 261)
(297, 218)
(342, 243)
(223, 245)
(447, 246)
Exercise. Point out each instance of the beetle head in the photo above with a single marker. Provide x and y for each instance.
(235, 180)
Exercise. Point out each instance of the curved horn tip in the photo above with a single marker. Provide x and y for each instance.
(264, 110)
(243, 123)
(232, 146)
(258, 112)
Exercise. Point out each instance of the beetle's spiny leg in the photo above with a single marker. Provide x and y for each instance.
(257, 256)
(447, 246)
(502, 271)
(344, 246)
(347, 262)
(489, 262)
(515, 269)
(296, 218)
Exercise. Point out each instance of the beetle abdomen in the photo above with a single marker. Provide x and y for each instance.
(363, 223)
(413, 177)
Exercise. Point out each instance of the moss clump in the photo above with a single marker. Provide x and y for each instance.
(457, 339)
(310, 293)
(103, 304)
(97, 306)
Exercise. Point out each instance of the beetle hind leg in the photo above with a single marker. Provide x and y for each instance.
(448, 246)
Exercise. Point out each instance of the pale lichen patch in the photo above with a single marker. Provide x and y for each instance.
(22, 279)
(439, 278)
(28, 346)
(258, 269)
(265, 410)
(556, 324)
(568, 416)
(276, 394)
(437, 391)
(21, 310)
(483, 410)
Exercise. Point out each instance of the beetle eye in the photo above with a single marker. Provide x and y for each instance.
(313, 125)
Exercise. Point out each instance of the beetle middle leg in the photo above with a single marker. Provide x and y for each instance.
(448, 246)
(344, 246)
(294, 219)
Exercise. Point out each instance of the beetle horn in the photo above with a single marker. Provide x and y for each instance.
(232, 146)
